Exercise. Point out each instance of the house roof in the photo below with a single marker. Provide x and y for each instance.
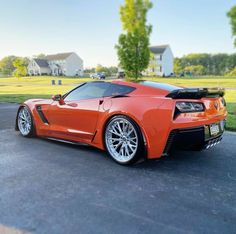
(60, 56)
(41, 62)
(158, 49)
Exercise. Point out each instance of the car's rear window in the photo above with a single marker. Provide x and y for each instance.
(117, 89)
(164, 86)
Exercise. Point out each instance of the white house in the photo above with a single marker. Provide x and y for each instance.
(163, 60)
(67, 64)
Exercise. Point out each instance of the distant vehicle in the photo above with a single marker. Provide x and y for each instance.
(99, 76)
(93, 76)
(170, 75)
(120, 75)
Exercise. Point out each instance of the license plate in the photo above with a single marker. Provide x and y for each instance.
(214, 129)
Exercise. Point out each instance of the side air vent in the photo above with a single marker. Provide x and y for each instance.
(169, 142)
(41, 114)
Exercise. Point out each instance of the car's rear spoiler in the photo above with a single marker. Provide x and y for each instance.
(196, 93)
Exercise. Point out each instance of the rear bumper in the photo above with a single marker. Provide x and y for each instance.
(196, 138)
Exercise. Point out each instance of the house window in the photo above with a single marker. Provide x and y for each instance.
(160, 57)
(160, 68)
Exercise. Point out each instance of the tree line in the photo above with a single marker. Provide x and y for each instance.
(205, 64)
(191, 64)
(109, 71)
(13, 65)
(16, 66)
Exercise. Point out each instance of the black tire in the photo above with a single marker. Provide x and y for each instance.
(135, 136)
(31, 130)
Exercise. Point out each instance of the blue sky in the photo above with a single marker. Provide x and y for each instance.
(91, 27)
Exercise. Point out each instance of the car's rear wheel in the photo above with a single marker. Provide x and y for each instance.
(123, 140)
(25, 122)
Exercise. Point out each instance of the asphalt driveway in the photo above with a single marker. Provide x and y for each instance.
(49, 187)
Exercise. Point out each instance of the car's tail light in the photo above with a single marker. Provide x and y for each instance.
(184, 107)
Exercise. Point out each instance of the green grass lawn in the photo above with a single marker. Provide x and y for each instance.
(19, 89)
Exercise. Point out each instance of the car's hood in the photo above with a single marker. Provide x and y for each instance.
(38, 101)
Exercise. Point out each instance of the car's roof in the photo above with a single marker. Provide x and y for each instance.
(146, 83)
(144, 87)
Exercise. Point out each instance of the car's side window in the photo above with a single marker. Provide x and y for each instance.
(88, 91)
(116, 89)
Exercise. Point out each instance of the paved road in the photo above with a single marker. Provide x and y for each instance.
(47, 187)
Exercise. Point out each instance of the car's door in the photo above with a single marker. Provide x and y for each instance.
(77, 117)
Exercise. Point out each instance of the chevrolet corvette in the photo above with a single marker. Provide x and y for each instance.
(131, 121)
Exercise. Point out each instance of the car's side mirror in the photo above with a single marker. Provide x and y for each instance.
(58, 98)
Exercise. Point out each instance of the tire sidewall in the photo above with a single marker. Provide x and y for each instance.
(32, 130)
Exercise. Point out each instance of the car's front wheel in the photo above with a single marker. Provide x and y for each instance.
(25, 122)
(123, 140)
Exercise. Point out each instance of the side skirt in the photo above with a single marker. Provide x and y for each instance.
(65, 141)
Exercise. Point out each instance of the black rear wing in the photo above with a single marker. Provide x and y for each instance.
(196, 93)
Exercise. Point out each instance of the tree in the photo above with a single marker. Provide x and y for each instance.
(133, 45)
(178, 67)
(6, 65)
(213, 64)
(232, 72)
(194, 70)
(232, 15)
(20, 67)
(107, 70)
(40, 56)
(113, 69)
(99, 68)
(90, 70)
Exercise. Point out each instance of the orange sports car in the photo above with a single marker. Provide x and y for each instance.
(131, 121)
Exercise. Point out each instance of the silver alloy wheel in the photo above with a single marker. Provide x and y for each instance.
(121, 139)
(24, 121)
